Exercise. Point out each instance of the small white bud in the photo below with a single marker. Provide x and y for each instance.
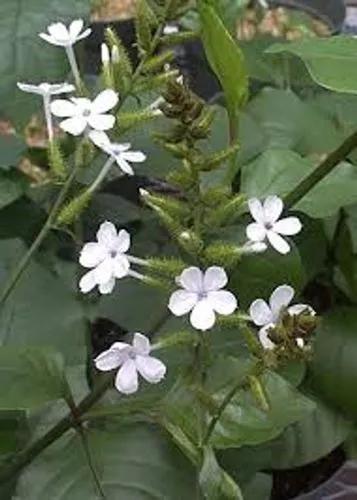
(105, 56)
(115, 54)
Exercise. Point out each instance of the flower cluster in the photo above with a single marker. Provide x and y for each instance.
(201, 293)
(81, 115)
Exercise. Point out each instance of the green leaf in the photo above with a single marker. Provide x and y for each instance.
(215, 483)
(243, 423)
(258, 275)
(278, 171)
(35, 376)
(13, 431)
(290, 123)
(259, 488)
(133, 463)
(225, 57)
(13, 184)
(41, 311)
(334, 366)
(331, 62)
(11, 149)
(310, 439)
(27, 58)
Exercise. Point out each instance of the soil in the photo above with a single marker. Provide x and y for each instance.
(290, 484)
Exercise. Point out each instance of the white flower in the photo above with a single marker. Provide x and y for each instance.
(267, 224)
(202, 294)
(59, 34)
(81, 112)
(267, 316)
(119, 152)
(46, 89)
(106, 258)
(132, 359)
(170, 29)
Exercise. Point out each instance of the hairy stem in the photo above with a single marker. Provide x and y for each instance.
(22, 265)
(321, 171)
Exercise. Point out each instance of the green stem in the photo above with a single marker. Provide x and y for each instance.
(22, 265)
(321, 171)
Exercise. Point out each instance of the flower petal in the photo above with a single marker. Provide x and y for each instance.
(105, 101)
(122, 242)
(151, 369)
(75, 28)
(280, 299)
(101, 122)
(134, 156)
(88, 282)
(223, 302)
(141, 344)
(126, 380)
(63, 108)
(58, 31)
(273, 207)
(121, 266)
(288, 226)
(202, 316)
(107, 235)
(297, 309)
(214, 278)
(85, 33)
(256, 210)
(256, 232)
(92, 254)
(124, 165)
(260, 313)
(104, 272)
(113, 357)
(26, 87)
(182, 301)
(50, 39)
(100, 139)
(107, 288)
(191, 279)
(278, 242)
(264, 338)
(74, 126)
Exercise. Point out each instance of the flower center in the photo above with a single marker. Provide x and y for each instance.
(86, 113)
(113, 253)
(268, 225)
(202, 295)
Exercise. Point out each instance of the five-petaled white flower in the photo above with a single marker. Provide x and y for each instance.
(202, 294)
(47, 89)
(132, 359)
(267, 315)
(59, 34)
(267, 224)
(81, 113)
(119, 152)
(106, 258)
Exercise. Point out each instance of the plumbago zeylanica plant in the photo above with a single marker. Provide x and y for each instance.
(192, 395)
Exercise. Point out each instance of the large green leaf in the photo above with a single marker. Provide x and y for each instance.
(330, 61)
(290, 123)
(278, 171)
(258, 275)
(12, 185)
(334, 365)
(41, 311)
(225, 57)
(243, 423)
(11, 149)
(132, 462)
(34, 375)
(310, 439)
(25, 57)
